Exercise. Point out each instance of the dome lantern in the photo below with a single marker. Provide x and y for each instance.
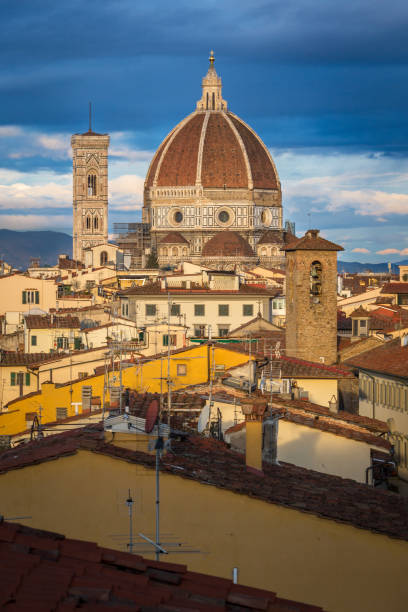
(211, 98)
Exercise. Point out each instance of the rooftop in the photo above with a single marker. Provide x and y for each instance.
(392, 288)
(210, 462)
(156, 289)
(51, 322)
(390, 358)
(311, 241)
(47, 571)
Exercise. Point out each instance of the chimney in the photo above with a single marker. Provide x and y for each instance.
(312, 234)
(253, 411)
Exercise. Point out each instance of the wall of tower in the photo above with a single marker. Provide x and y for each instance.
(311, 328)
(90, 191)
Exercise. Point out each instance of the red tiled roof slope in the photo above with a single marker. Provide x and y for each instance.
(209, 461)
(391, 358)
(223, 161)
(311, 241)
(227, 244)
(179, 162)
(263, 172)
(173, 238)
(391, 288)
(46, 571)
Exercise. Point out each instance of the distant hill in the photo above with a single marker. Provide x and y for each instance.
(355, 266)
(17, 248)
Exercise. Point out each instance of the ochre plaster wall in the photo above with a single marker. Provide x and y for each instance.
(323, 451)
(320, 390)
(298, 555)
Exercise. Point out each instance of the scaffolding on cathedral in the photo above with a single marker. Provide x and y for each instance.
(133, 239)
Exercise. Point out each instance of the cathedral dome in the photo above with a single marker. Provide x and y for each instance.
(213, 148)
(227, 244)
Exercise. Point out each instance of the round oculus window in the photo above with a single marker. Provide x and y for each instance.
(223, 216)
(178, 217)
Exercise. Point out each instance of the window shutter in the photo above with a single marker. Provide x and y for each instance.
(12, 379)
(37, 297)
(27, 379)
(165, 340)
(24, 297)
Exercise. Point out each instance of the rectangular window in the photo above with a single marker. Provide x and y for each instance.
(61, 413)
(223, 331)
(181, 369)
(175, 310)
(223, 310)
(62, 343)
(150, 310)
(173, 340)
(27, 379)
(248, 310)
(33, 340)
(30, 296)
(77, 344)
(199, 310)
(199, 331)
(13, 379)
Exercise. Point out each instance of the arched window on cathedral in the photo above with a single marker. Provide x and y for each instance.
(185, 252)
(103, 258)
(264, 252)
(164, 252)
(88, 222)
(315, 281)
(92, 184)
(96, 222)
(174, 251)
(207, 101)
(213, 101)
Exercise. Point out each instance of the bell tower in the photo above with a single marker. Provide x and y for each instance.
(311, 298)
(90, 191)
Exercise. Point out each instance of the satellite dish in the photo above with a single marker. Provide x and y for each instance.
(151, 415)
(203, 419)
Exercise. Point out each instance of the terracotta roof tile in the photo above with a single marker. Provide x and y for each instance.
(313, 242)
(223, 160)
(201, 459)
(227, 244)
(391, 358)
(393, 288)
(179, 162)
(109, 579)
(51, 322)
(173, 238)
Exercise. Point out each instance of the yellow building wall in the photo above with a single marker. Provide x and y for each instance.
(320, 390)
(150, 376)
(298, 555)
(323, 451)
(11, 288)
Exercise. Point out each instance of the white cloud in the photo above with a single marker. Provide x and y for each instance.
(20, 190)
(360, 250)
(389, 252)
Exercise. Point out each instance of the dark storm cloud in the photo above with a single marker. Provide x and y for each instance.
(334, 72)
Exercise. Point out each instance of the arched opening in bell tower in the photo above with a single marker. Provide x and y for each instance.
(91, 184)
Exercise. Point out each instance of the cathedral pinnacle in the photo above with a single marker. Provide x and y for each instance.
(212, 90)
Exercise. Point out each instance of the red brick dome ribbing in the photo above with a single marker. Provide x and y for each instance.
(215, 149)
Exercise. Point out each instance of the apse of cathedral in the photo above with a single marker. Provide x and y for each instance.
(212, 193)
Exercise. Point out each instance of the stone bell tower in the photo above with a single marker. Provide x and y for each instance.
(311, 298)
(90, 191)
